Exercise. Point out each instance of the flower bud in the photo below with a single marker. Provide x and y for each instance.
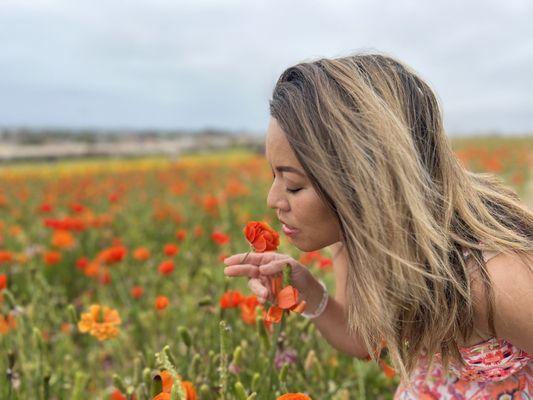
(185, 335)
(239, 390)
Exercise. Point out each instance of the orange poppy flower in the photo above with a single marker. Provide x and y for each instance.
(92, 269)
(261, 236)
(161, 302)
(247, 306)
(286, 299)
(100, 321)
(167, 381)
(21, 258)
(7, 323)
(62, 239)
(235, 188)
(66, 328)
(141, 254)
(293, 396)
(3, 281)
(210, 204)
(5, 256)
(387, 369)
(15, 230)
(52, 257)
(274, 315)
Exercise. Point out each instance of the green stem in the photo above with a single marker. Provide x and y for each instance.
(272, 356)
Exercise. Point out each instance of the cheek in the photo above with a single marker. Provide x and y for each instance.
(312, 212)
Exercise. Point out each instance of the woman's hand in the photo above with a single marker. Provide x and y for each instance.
(261, 268)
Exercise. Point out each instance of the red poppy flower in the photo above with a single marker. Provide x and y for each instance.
(161, 302)
(82, 263)
(293, 396)
(220, 238)
(248, 306)
(136, 292)
(166, 267)
(117, 395)
(171, 249)
(180, 234)
(261, 236)
(286, 299)
(198, 231)
(113, 254)
(231, 299)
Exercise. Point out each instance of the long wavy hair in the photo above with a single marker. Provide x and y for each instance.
(368, 132)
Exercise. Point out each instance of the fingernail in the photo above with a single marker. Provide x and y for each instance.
(226, 260)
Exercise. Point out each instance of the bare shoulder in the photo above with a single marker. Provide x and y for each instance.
(512, 281)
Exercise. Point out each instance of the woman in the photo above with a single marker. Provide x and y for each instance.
(431, 259)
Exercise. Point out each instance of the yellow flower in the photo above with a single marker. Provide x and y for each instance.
(100, 321)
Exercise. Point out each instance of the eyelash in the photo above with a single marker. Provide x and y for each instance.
(292, 191)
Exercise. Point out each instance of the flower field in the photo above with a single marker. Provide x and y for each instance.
(112, 284)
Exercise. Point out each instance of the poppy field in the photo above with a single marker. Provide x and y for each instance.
(112, 284)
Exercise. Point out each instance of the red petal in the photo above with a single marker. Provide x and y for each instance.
(287, 297)
(274, 314)
(300, 307)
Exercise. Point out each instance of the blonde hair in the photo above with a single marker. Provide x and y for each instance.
(368, 132)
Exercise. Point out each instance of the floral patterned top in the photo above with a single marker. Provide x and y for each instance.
(495, 369)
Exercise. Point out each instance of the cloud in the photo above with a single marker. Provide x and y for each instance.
(189, 65)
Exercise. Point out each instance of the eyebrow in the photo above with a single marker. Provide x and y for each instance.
(286, 168)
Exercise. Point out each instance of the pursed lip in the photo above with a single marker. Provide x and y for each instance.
(288, 226)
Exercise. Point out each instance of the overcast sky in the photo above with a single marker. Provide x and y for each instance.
(213, 64)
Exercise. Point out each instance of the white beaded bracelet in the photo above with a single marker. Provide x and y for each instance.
(322, 306)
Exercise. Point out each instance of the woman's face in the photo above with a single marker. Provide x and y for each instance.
(308, 223)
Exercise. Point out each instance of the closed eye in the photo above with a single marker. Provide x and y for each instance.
(293, 190)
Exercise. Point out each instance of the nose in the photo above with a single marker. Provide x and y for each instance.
(275, 199)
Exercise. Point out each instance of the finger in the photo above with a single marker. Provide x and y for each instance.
(255, 286)
(274, 266)
(265, 281)
(253, 258)
(251, 271)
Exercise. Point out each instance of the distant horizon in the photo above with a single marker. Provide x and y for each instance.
(158, 130)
